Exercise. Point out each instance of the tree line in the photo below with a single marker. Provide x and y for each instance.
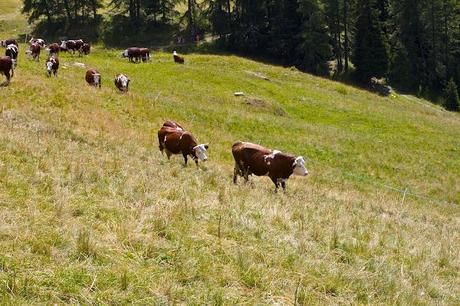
(414, 44)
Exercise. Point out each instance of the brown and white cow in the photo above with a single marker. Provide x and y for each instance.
(173, 139)
(72, 45)
(145, 54)
(93, 78)
(6, 66)
(39, 41)
(86, 48)
(254, 159)
(52, 49)
(7, 42)
(133, 54)
(178, 59)
(52, 65)
(34, 51)
(122, 82)
(12, 51)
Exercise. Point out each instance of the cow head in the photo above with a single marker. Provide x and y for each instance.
(97, 79)
(299, 167)
(123, 80)
(124, 53)
(175, 53)
(63, 44)
(49, 66)
(200, 151)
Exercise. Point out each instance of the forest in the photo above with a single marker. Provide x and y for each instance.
(413, 44)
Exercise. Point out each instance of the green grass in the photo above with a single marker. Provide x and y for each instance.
(91, 212)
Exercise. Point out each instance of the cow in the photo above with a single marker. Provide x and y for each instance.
(7, 42)
(254, 159)
(122, 82)
(39, 41)
(6, 65)
(12, 51)
(93, 77)
(52, 49)
(178, 59)
(133, 54)
(145, 54)
(72, 45)
(52, 65)
(86, 48)
(34, 51)
(173, 139)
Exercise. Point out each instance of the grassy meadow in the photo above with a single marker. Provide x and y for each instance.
(92, 213)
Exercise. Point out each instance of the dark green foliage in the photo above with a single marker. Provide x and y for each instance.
(370, 53)
(451, 100)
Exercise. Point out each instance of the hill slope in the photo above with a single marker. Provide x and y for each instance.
(92, 213)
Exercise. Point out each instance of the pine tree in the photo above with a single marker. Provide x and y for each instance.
(451, 100)
(370, 54)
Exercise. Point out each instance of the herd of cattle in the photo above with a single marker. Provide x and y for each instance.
(250, 159)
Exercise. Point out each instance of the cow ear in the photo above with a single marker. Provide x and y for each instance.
(206, 146)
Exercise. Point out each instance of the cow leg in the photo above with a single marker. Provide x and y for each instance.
(185, 158)
(236, 171)
(283, 184)
(276, 182)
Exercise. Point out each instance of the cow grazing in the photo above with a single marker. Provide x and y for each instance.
(72, 45)
(6, 66)
(52, 65)
(122, 82)
(39, 41)
(133, 54)
(34, 51)
(12, 51)
(145, 54)
(173, 139)
(255, 159)
(93, 77)
(178, 59)
(86, 48)
(7, 42)
(52, 49)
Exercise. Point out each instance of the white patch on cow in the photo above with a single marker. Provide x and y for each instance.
(175, 53)
(63, 44)
(14, 63)
(299, 167)
(125, 53)
(271, 156)
(200, 151)
(49, 66)
(97, 78)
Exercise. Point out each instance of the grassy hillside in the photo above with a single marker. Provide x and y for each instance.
(90, 212)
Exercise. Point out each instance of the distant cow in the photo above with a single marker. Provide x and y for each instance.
(52, 65)
(8, 42)
(86, 48)
(133, 54)
(178, 59)
(39, 41)
(173, 139)
(34, 51)
(53, 49)
(254, 159)
(93, 77)
(122, 82)
(145, 54)
(6, 66)
(12, 51)
(72, 45)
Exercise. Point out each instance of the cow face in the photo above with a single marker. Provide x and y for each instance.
(200, 151)
(97, 79)
(123, 81)
(124, 53)
(49, 67)
(63, 44)
(299, 167)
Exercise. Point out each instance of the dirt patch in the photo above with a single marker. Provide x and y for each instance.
(262, 104)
